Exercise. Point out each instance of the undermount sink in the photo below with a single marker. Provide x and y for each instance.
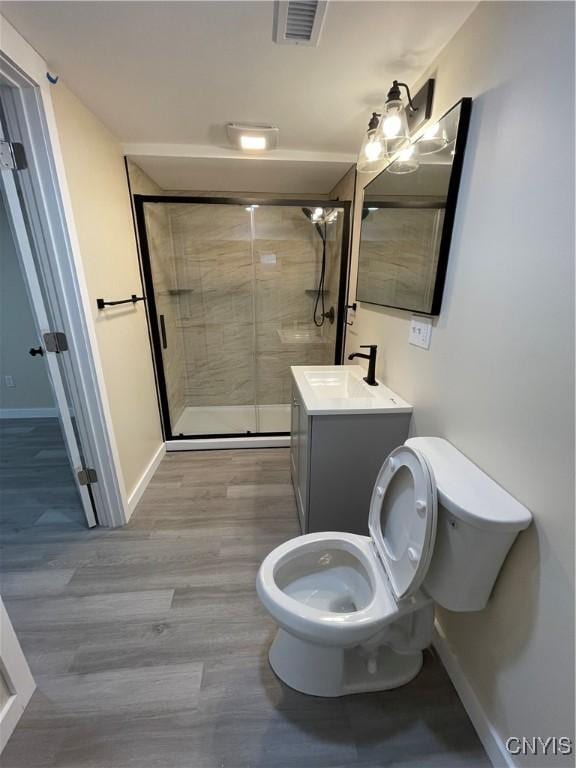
(337, 384)
(331, 389)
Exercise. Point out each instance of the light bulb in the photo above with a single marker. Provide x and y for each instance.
(318, 211)
(406, 161)
(432, 140)
(373, 149)
(253, 142)
(391, 127)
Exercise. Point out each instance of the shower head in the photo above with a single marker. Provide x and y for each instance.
(314, 218)
(320, 215)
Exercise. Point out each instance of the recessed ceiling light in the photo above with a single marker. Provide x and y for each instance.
(252, 142)
(252, 137)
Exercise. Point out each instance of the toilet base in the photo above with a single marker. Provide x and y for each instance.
(326, 671)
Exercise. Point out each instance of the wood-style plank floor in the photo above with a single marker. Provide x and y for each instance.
(36, 482)
(149, 644)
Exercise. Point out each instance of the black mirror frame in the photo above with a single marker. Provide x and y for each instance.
(449, 212)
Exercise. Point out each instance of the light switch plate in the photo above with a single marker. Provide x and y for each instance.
(420, 331)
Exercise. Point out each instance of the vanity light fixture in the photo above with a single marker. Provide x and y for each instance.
(389, 132)
(252, 137)
(393, 130)
(399, 122)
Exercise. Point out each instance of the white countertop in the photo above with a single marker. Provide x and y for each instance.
(332, 389)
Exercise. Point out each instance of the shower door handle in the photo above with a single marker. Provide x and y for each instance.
(163, 333)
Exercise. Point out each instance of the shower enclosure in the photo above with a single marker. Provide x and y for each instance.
(238, 291)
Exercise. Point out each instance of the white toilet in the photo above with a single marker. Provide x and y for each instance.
(355, 612)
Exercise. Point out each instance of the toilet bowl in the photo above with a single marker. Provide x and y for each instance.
(328, 595)
(355, 612)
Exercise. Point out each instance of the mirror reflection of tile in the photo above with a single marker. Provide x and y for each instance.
(399, 257)
(402, 224)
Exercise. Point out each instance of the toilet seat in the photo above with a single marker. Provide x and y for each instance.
(396, 557)
(402, 519)
(323, 625)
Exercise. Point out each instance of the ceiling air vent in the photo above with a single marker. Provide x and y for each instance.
(298, 22)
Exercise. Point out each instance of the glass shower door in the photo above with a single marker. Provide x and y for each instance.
(297, 277)
(238, 293)
(200, 260)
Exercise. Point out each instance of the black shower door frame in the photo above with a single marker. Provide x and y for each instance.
(152, 314)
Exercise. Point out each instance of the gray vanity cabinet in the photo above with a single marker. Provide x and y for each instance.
(334, 461)
(300, 455)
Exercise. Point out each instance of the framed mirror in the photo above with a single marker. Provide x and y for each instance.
(407, 219)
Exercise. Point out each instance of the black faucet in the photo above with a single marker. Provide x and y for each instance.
(371, 378)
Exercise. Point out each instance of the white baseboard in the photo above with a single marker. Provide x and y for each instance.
(223, 443)
(28, 413)
(142, 484)
(487, 733)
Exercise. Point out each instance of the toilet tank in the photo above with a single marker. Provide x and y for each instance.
(477, 524)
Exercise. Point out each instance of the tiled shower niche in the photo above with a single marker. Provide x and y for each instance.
(235, 287)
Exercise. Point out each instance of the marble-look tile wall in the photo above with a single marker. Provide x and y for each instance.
(158, 228)
(398, 257)
(287, 254)
(212, 247)
(247, 282)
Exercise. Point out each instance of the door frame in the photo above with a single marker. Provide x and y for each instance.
(17, 221)
(31, 121)
(218, 441)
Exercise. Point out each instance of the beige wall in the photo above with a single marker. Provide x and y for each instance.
(498, 378)
(96, 176)
(18, 333)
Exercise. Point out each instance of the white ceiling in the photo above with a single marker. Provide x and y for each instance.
(177, 72)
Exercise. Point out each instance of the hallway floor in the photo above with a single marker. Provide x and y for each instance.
(37, 486)
(149, 644)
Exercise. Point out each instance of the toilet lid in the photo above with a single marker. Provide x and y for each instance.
(402, 518)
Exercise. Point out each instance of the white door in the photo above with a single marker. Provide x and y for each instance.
(16, 217)
(16, 682)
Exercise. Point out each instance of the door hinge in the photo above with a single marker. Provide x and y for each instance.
(12, 156)
(55, 342)
(87, 475)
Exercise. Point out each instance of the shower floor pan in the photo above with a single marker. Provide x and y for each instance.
(233, 419)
